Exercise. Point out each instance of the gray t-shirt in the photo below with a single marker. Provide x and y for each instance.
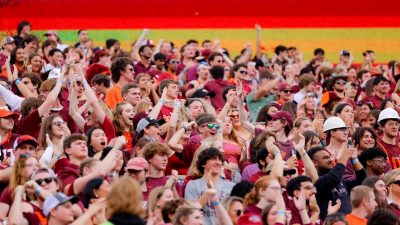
(195, 189)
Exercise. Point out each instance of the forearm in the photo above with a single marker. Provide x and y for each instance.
(277, 168)
(24, 90)
(156, 110)
(305, 219)
(243, 121)
(5, 175)
(47, 155)
(15, 215)
(51, 98)
(222, 215)
(309, 167)
(174, 141)
(314, 218)
(222, 114)
(11, 99)
(80, 183)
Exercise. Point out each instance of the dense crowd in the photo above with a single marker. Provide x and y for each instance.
(191, 135)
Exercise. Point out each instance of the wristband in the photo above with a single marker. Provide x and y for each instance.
(277, 152)
(281, 212)
(84, 82)
(38, 190)
(17, 81)
(215, 203)
(162, 101)
(60, 81)
(354, 161)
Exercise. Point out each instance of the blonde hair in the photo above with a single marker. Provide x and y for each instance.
(17, 171)
(253, 197)
(142, 107)
(118, 121)
(125, 197)
(154, 196)
(182, 213)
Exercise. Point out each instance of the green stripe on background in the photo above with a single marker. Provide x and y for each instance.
(384, 41)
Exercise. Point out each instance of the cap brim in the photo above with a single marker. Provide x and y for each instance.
(14, 115)
(73, 199)
(212, 94)
(32, 142)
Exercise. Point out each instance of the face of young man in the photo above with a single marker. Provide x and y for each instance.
(63, 213)
(83, 36)
(159, 161)
(57, 59)
(147, 52)
(214, 165)
(25, 149)
(377, 165)
(133, 96)
(383, 87)
(78, 150)
(9, 47)
(307, 188)
(323, 160)
(341, 135)
(128, 73)
(7, 123)
(218, 61)
(172, 91)
(391, 128)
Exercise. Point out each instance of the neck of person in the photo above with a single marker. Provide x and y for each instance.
(370, 172)
(155, 173)
(144, 61)
(121, 82)
(280, 135)
(335, 146)
(380, 95)
(170, 101)
(75, 161)
(263, 203)
(360, 212)
(53, 221)
(388, 140)
(340, 93)
(187, 60)
(3, 134)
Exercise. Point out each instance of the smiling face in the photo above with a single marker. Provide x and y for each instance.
(196, 108)
(7, 123)
(52, 187)
(36, 63)
(57, 127)
(127, 114)
(214, 165)
(128, 73)
(367, 140)
(159, 161)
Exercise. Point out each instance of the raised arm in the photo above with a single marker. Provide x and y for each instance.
(139, 41)
(73, 109)
(15, 216)
(11, 99)
(309, 167)
(258, 41)
(243, 119)
(157, 108)
(45, 108)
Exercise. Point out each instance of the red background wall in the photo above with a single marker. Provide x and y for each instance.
(103, 14)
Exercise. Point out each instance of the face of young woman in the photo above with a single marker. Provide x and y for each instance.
(165, 197)
(57, 127)
(196, 108)
(227, 126)
(31, 166)
(20, 56)
(196, 218)
(98, 140)
(36, 63)
(127, 114)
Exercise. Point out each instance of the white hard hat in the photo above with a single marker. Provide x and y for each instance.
(388, 113)
(333, 122)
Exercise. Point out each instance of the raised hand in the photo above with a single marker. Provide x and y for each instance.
(300, 202)
(334, 208)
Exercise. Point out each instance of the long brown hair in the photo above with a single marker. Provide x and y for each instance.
(118, 121)
(45, 128)
(252, 198)
(17, 171)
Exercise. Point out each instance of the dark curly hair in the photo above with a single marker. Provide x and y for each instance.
(359, 132)
(207, 154)
(118, 65)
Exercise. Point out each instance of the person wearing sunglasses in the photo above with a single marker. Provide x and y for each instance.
(337, 84)
(234, 207)
(241, 73)
(121, 73)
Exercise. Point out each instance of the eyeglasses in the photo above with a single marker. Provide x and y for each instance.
(130, 69)
(341, 82)
(174, 62)
(286, 173)
(239, 212)
(275, 188)
(379, 160)
(59, 123)
(234, 116)
(47, 180)
(211, 126)
(243, 72)
(287, 91)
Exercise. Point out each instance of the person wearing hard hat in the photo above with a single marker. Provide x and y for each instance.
(389, 122)
(337, 134)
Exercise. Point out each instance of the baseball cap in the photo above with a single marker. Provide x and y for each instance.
(328, 97)
(144, 122)
(344, 53)
(201, 93)
(50, 32)
(25, 139)
(57, 199)
(137, 163)
(7, 113)
(276, 104)
(285, 168)
(250, 219)
(147, 42)
(7, 40)
(283, 115)
(283, 86)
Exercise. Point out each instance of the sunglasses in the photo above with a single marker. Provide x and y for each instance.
(287, 91)
(130, 69)
(243, 72)
(174, 62)
(239, 212)
(340, 82)
(211, 126)
(47, 180)
(59, 123)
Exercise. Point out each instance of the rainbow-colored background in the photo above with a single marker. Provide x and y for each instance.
(330, 24)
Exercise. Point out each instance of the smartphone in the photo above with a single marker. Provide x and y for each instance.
(349, 143)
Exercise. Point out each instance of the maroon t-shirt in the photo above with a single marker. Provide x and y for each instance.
(165, 112)
(6, 197)
(140, 68)
(392, 152)
(189, 149)
(375, 100)
(217, 86)
(67, 172)
(26, 124)
(152, 183)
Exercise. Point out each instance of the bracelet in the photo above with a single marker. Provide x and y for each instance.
(281, 212)
(60, 81)
(17, 81)
(162, 101)
(38, 190)
(215, 203)
(84, 82)
(354, 161)
(277, 152)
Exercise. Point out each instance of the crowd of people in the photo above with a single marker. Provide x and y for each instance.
(191, 135)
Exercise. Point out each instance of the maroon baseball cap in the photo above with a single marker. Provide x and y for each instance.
(283, 115)
(283, 86)
(26, 139)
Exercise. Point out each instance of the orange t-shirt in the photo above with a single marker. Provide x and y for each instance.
(113, 97)
(355, 220)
